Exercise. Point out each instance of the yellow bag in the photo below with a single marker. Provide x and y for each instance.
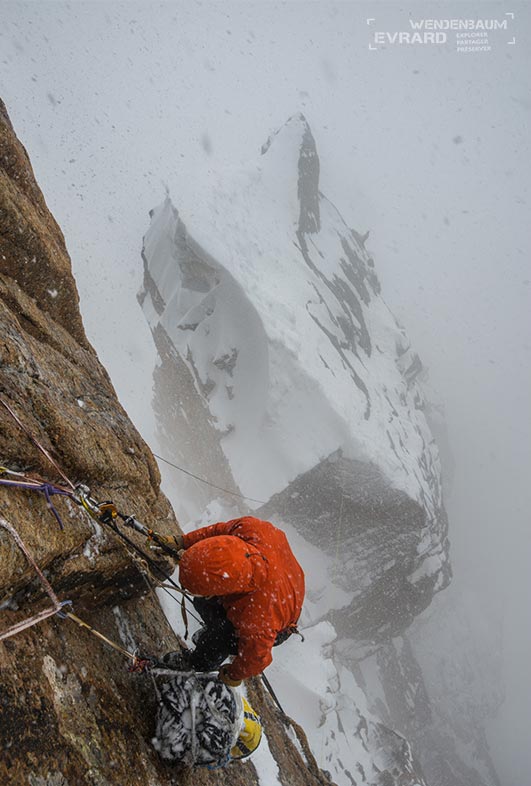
(250, 735)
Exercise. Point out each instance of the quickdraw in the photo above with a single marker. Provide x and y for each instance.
(107, 514)
(104, 513)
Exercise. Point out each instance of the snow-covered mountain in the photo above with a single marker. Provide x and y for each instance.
(320, 372)
(284, 377)
(300, 385)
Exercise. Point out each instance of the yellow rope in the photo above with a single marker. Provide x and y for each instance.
(95, 632)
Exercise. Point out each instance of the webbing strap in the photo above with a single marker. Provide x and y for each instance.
(37, 444)
(79, 495)
(139, 664)
(57, 604)
(48, 489)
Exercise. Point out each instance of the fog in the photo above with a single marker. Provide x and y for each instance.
(425, 146)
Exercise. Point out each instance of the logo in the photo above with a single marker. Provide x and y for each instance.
(463, 35)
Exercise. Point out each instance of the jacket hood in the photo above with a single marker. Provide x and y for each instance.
(222, 565)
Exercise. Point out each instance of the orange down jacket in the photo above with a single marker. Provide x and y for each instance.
(248, 564)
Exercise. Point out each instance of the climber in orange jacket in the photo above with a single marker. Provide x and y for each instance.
(249, 591)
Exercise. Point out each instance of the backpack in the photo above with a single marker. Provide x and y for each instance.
(200, 720)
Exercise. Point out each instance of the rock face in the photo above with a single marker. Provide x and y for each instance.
(306, 388)
(71, 714)
(371, 532)
(32, 247)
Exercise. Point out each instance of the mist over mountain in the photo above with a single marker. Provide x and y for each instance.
(278, 352)
(424, 146)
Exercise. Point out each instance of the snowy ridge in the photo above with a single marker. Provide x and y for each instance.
(317, 306)
(272, 311)
(282, 328)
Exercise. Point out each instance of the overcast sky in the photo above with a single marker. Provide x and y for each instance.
(426, 146)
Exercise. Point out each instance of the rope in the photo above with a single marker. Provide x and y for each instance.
(145, 557)
(80, 497)
(139, 664)
(273, 695)
(27, 481)
(152, 564)
(57, 604)
(208, 483)
(165, 588)
(108, 641)
(48, 489)
(37, 443)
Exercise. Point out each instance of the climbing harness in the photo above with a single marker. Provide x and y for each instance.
(107, 514)
(214, 735)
